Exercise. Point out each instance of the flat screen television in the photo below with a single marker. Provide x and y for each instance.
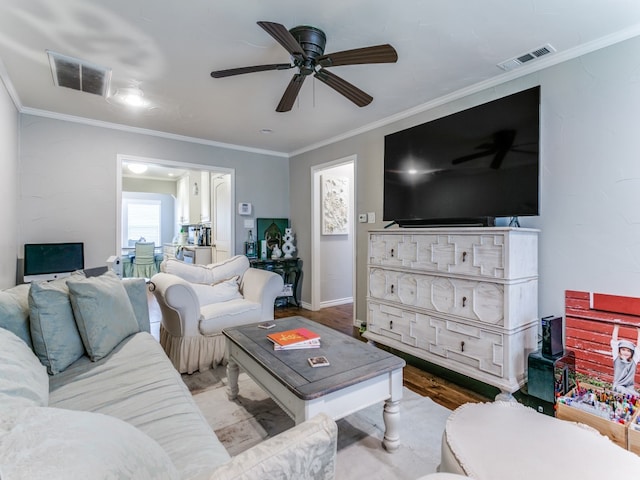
(466, 168)
(48, 261)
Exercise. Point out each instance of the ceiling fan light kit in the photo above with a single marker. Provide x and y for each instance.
(305, 45)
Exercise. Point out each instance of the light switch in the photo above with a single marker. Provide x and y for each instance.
(248, 223)
(371, 216)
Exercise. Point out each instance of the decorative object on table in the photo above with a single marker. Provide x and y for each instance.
(271, 230)
(287, 247)
(276, 252)
(335, 205)
(321, 361)
(250, 246)
(295, 338)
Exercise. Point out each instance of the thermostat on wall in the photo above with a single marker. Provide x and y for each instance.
(244, 208)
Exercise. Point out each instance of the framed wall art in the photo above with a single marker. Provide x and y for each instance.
(271, 230)
(335, 205)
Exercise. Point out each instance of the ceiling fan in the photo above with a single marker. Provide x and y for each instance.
(306, 45)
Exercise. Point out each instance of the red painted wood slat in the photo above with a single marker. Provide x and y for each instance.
(588, 329)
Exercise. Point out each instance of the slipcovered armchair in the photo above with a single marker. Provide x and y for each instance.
(198, 301)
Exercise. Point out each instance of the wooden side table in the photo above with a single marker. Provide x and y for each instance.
(290, 269)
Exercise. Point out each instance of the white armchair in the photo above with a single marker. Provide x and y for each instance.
(198, 301)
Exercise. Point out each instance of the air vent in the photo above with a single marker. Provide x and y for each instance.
(78, 74)
(526, 57)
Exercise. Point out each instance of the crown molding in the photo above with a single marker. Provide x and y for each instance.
(146, 131)
(540, 64)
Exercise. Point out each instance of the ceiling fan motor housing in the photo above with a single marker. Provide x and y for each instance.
(312, 40)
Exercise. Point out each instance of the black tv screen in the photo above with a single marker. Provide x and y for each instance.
(52, 260)
(468, 167)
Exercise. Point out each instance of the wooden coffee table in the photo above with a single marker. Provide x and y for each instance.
(359, 374)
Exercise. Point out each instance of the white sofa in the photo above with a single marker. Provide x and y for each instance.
(122, 412)
(198, 301)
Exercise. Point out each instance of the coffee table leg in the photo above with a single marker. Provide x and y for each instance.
(391, 416)
(232, 379)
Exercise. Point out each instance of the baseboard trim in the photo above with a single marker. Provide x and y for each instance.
(335, 303)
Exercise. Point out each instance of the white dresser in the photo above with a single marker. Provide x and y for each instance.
(463, 298)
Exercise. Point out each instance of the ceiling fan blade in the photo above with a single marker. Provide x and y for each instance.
(343, 87)
(283, 37)
(291, 93)
(375, 54)
(473, 156)
(256, 68)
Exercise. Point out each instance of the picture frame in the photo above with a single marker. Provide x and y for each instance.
(271, 230)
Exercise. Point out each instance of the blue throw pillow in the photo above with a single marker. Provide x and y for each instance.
(55, 336)
(103, 313)
(14, 311)
(137, 290)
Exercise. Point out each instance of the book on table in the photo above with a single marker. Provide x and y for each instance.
(293, 339)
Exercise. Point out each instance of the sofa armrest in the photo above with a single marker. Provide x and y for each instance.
(178, 303)
(307, 450)
(262, 286)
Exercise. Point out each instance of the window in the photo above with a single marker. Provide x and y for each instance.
(140, 219)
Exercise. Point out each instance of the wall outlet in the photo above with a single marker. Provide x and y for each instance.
(362, 218)
(371, 216)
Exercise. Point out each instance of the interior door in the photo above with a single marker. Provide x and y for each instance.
(221, 223)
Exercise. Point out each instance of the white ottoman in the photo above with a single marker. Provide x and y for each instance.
(506, 440)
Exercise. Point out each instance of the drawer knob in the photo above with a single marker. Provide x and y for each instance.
(390, 324)
(464, 302)
(392, 288)
(392, 253)
(462, 346)
(464, 256)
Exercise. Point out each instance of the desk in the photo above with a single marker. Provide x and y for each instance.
(290, 269)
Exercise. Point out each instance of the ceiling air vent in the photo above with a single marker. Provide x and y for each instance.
(78, 74)
(526, 57)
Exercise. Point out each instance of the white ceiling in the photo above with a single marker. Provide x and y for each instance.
(169, 47)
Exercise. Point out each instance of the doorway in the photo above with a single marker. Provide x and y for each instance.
(160, 172)
(333, 245)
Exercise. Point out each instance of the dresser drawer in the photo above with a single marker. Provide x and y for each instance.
(475, 347)
(478, 254)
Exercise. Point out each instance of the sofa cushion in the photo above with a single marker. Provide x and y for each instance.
(50, 443)
(54, 333)
(207, 274)
(23, 379)
(138, 384)
(14, 311)
(220, 292)
(103, 313)
(216, 317)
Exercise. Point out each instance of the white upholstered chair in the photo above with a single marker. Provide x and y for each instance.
(144, 261)
(198, 301)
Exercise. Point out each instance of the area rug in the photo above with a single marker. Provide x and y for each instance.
(253, 416)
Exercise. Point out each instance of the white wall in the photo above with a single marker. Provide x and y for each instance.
(590, 179)
(68, 180)
(9, 166)
(336, 273)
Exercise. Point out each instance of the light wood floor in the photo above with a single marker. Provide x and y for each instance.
(447, 393)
